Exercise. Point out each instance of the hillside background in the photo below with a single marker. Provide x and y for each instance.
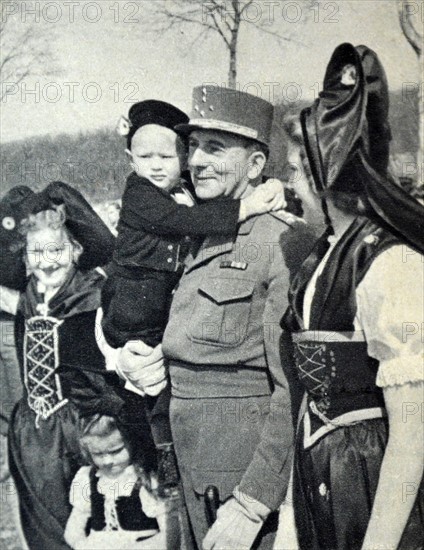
(96, 165)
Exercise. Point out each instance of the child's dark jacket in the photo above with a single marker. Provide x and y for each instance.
(152, 225)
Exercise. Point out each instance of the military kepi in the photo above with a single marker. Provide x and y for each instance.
(228, 110)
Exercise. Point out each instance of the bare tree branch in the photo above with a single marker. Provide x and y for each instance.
(219, 31)
(411, 34)
(246, 6)
(25, 50)
(276, 34)
(220, 8)
(225, 18)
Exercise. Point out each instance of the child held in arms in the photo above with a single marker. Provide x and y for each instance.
(158, 220)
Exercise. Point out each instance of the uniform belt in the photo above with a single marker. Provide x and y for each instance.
(190, 381)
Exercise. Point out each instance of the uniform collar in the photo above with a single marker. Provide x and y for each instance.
(246, 227)
(210, 248)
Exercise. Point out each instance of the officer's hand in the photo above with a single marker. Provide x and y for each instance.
(143, 366)
(234, 528)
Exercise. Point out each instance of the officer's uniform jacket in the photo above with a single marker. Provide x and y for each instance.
(226, 315)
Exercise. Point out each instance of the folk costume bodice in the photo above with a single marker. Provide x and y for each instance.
(331, 356)
(123, 511)
(121, 507)
(58, 338)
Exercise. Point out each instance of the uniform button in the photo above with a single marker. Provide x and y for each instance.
(169, 260)
(170, 247)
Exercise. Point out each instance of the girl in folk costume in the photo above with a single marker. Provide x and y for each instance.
(357, 448)
(115, 504)
(63, 369)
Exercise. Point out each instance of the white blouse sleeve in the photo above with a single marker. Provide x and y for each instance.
(390, 311)
(80, 492)
(153, 507)
(111, 354)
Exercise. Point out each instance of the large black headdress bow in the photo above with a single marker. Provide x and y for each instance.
(346, 132)
(81, 221)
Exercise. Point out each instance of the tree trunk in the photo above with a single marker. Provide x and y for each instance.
(415, 40)
(232, 73)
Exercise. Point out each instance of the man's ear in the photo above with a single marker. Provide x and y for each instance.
(130, 158)
(256, 164)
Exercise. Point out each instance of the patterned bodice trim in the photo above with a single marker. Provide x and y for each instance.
(41, 360)
(339, 379)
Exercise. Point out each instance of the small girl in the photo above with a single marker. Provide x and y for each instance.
(113, 499)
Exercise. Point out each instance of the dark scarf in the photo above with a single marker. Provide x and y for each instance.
(334, 304)
(79, 293)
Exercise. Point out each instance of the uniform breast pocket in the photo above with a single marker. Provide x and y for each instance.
(221, 311)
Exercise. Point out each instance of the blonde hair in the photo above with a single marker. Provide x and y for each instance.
(53, 218)
(102, 425)
(96, 426)
(293, 129)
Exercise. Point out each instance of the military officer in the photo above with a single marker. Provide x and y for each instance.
(231, 409)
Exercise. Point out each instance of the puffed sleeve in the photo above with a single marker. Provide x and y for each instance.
(79, 494)
(390, 311)
(149, 503)
(153, 507)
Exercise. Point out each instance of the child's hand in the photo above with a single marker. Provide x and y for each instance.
(265, 198)
(276, 186)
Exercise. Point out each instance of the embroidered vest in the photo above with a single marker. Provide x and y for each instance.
(129, 513)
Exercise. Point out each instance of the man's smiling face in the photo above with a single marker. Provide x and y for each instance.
(218, 164)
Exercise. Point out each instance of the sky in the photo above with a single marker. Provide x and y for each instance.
(108, 62)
